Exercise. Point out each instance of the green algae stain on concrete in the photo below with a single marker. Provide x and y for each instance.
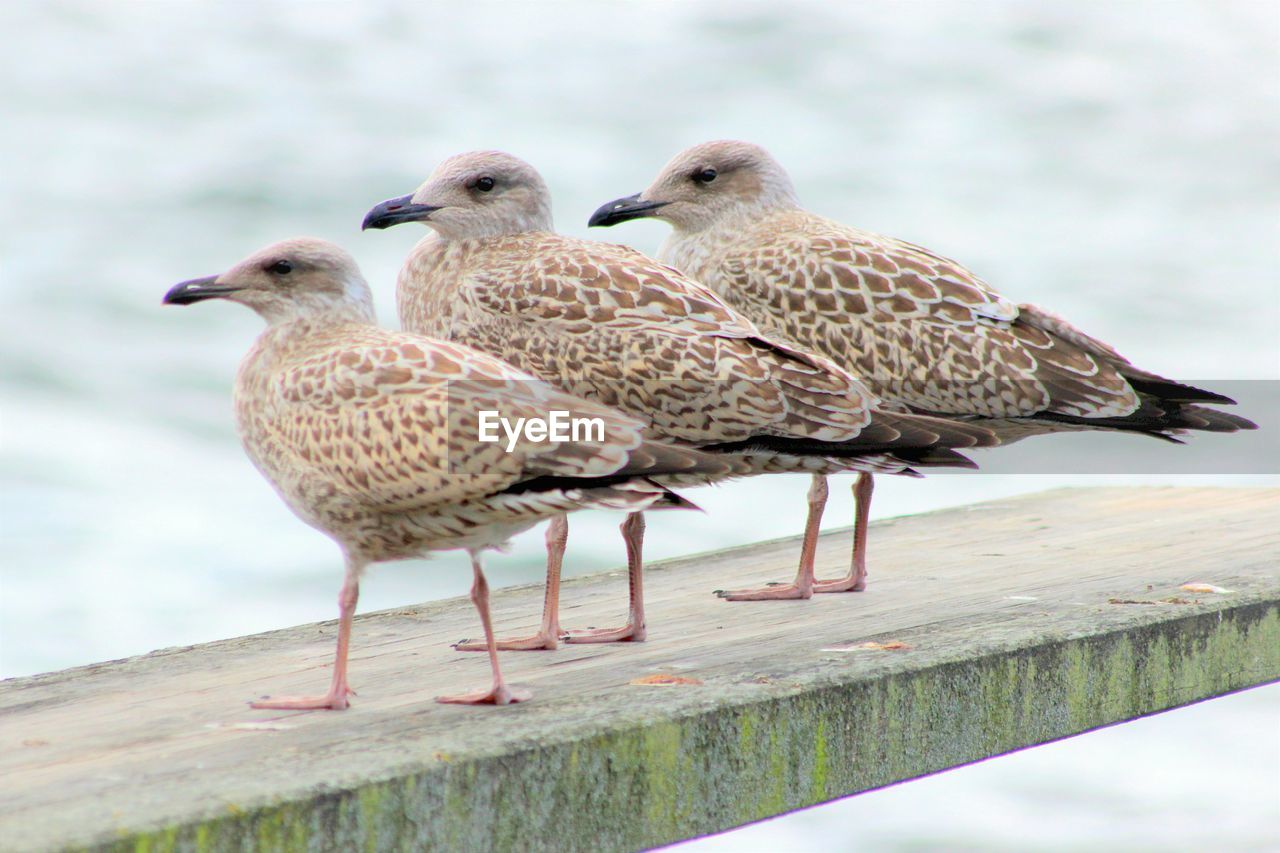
(270, 831)
(202, 837)
(371, 803)
(743, 721)
(818, 779)
(746, 730)
(660, 763)
(999, 689)
(728, 765)
(164, 841)
(774, 799)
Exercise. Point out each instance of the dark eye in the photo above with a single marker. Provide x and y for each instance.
(484, 184)
(281, 268)
(704, 176)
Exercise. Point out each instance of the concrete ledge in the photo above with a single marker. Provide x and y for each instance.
(986, 629)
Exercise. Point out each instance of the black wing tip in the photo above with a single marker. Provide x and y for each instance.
(672, 500)
(1172, 391)
(934, 457)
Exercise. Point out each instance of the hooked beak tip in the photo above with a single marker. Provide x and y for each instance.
(623, 209)
(196, 290)
(395, 211)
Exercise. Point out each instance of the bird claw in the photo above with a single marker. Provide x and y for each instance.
(538, 642)
(626, 634)
(769, 592)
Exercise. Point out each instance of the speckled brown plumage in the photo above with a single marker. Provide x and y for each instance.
(919, 329)
(924, 334)
(372, 436)
(609, 324)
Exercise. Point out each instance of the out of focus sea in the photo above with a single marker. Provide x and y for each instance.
(1118, 163)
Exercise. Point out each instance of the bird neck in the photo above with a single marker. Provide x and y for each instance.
(483, 225)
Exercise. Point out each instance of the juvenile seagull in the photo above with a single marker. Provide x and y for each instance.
(605, 322)
(371, 436)
(921, 331)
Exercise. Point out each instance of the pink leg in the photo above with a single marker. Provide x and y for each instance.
(633, 631)
(557, 537)
(856, 580)
(336, 698)
(802, 587)
(499, 693)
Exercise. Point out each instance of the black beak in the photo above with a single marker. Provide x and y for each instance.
(622, 209)
(196, 290)
(393, 211)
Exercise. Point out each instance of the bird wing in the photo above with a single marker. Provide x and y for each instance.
(608, 323)
(917, 327)
(394, 419)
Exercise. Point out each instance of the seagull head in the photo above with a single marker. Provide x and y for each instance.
(295, 278)
(470, 196)
(705, 185)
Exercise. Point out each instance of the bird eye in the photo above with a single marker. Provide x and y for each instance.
(704, 176)
(484, 184)
(281, 268)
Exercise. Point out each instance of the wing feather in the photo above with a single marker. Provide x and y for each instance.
(608, 323)
(918, 327)
(393, 419)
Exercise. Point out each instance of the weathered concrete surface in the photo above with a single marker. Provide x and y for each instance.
(1010, 612)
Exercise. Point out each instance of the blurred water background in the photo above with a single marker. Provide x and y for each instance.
(1118, 163)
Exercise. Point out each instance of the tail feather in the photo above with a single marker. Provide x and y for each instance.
(1212, 420)
(658, 458)
(1161, 418)
(1166, 406)
(1145, 382)
(652, 459)
(948, 432)
(934, 457)
(911, 439)
(672, 500)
